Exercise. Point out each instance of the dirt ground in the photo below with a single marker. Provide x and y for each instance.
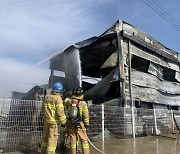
(139, 145)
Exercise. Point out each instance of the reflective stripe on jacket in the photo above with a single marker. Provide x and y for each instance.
(53, 109)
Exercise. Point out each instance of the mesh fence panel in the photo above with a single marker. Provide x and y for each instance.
(95, 113)
(4, 106)
(176, 120)
(21, 123)
(114, 120)
(164, 121)
(144, 121)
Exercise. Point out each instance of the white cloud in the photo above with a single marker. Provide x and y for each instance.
(37, 25)
(21, 77)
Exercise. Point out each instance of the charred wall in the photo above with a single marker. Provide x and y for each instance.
(153, 76)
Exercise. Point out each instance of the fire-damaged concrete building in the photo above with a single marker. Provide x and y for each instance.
(121, 66)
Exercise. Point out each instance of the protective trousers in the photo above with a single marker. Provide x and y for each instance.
(76, 133)
(50, 138)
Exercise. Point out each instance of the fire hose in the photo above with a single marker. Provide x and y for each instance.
(93, 144)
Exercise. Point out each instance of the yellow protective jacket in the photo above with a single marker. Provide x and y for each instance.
(53, 109)
(83, 108)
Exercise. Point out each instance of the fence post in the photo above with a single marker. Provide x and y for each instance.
(172, 118)
(102, 106)
(133, 119)
(130, 90)
(155, 121)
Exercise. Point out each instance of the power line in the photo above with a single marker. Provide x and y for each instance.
(167, 12)
(163, 14)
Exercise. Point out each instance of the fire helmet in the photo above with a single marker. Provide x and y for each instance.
(57, 87)
(77, 91)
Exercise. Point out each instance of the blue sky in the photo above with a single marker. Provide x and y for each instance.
(31, 31)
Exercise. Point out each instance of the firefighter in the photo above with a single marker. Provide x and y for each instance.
(78, 121)
(54, 116)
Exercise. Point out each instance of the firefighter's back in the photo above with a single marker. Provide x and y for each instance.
(49, 107)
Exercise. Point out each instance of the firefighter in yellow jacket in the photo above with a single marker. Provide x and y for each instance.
(54, 116)
(78, 121)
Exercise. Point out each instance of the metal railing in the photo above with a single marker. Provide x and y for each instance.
(21, 123)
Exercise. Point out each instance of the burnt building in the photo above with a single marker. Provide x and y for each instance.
(122, 66)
